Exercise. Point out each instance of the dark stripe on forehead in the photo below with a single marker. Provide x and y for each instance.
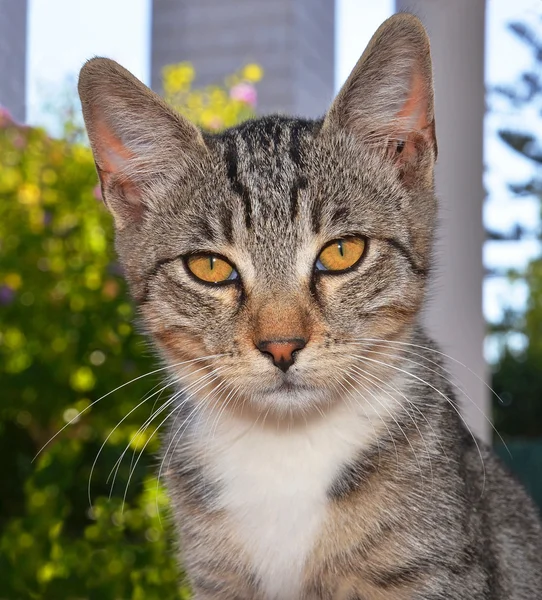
(226, 219)
(295, 147)
(338, 217)
(272, 131)
(264, 134)
(230, 156)
(316, 214)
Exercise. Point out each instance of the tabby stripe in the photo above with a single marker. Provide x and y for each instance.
(150, 275)
(316, 215)
(204, 230)
(295, 148)
(410, 259)
(399, 576)
(354, 474)
(339, 216)
(233, 175)
(226, 218)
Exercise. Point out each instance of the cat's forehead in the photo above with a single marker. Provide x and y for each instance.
(267, 141)
(277, 188)
(286, 176)
(265, 163)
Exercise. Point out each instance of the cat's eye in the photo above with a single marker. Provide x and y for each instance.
(341, 255)
(211, 268)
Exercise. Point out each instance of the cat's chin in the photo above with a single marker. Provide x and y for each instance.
(289, 398)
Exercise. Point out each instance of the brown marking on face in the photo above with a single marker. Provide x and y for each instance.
(281, 319)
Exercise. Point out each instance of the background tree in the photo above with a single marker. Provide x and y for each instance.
(67, 345)
(517, 376)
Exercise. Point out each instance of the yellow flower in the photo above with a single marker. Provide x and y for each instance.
(252, 72)
(82, 380)
(13, 280)
(29, 194)
(176, 77)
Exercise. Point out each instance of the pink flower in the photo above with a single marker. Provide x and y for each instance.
(5, 117)
(245, 93)
(18, 141)
(97, 192)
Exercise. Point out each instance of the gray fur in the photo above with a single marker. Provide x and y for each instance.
(452, 523)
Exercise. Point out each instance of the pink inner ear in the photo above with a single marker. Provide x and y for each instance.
(111, 152)
(412, 121)
(414, 110)
(112, 159)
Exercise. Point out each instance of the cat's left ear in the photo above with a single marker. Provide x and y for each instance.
(141, 146)
(387, 101)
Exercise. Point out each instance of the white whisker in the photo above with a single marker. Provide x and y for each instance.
(202, 383)
(86, 409)
(394, 420)
(377, 413)
(458, 362)
(366, 358)
(366, 374)
(147, 422)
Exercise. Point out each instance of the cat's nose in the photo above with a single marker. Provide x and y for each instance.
(282, 351)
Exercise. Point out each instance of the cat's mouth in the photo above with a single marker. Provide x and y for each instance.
(287, 386)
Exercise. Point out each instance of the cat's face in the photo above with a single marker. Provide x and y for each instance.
(278, 249)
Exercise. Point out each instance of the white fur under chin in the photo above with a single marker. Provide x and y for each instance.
(275, 483)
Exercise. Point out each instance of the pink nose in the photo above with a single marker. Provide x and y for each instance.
(282, 351)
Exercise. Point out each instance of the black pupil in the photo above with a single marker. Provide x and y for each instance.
(340, 247)
(211, 262)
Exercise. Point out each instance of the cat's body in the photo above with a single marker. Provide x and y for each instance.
(336, 510)
(317, 451)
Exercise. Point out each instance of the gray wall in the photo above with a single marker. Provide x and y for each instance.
(13, 57)
(293, 40)
(454, 309)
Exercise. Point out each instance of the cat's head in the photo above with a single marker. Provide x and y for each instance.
(278, 248)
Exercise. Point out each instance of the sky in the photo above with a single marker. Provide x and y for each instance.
(64, 33)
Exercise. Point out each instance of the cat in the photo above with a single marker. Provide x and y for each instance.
(315, 449)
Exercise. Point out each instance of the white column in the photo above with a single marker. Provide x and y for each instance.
(454, 305)
(13, 57)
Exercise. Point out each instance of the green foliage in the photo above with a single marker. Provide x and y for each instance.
(67, 340)
(517, 376)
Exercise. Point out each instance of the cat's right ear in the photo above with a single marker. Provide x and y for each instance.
(140, 144)
(387, 101)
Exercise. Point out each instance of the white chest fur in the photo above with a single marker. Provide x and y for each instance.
(275, 487)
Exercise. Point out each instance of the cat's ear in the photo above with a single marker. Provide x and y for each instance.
(140, 144)
(387, 101)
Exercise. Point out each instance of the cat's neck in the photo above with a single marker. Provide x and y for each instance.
(275, 481)
(358, 418)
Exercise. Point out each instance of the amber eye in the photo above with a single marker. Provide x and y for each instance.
(211, 268)
(340, 255)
